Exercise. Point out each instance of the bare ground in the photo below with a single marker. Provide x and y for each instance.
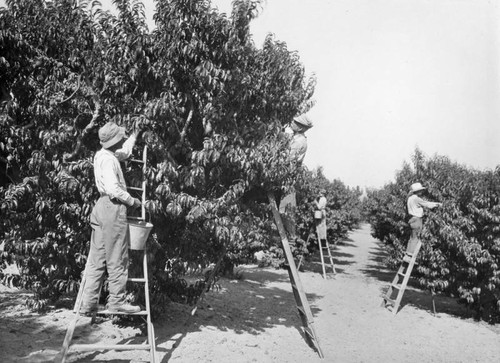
(255, 320)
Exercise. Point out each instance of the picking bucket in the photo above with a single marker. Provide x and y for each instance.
(138, 233)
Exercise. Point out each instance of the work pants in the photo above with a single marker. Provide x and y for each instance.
(108, 250)
(416, 227)
(287, 209)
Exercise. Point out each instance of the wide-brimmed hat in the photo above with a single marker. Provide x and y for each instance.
(110, 134)
(303, 121)
(416, 187)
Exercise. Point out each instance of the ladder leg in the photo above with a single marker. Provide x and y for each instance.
(150, 329)
(61, 356)
(320, 244)
(330, 256)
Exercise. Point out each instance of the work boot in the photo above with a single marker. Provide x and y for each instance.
(88, 310)
(123, 308)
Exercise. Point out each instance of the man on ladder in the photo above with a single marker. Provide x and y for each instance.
(285, 222)
(415, 207)
(298, 148)
(321, 231)
(109, 243)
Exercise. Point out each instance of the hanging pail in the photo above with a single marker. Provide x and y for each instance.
(138, 233)
(318, 214)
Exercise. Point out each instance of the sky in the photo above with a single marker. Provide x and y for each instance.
(392, 75)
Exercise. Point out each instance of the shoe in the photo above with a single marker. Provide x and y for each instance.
(123, 308)
(88, 310)
(407, 259)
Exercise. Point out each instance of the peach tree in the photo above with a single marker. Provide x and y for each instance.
(211, 107)
(461, 240)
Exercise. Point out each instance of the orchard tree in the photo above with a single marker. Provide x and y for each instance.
(460, 254)
(211, 107)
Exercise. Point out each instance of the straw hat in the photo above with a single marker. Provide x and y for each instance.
(110, 134)
(416, 187)
(303, 121)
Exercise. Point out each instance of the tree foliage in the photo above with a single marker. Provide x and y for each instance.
(212, 106)
(461, 240)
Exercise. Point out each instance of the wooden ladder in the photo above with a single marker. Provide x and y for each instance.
(145, 314)
(400, 281)
(298, 292)
(324, 251)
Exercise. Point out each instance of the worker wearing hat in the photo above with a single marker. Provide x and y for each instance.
(416, 205)
(320, 214)
(109, 240)
(298, 148)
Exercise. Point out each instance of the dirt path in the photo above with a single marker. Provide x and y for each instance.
(255, 320)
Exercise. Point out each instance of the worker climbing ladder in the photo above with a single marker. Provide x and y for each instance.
(139, 230)
(325, 251)
(397, 288)
(298, 292)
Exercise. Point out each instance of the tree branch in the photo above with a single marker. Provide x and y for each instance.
(186, 125)
(86, 130)
(74, 93)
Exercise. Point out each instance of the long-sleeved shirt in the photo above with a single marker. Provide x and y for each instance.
(321, 203)
(416, 205)
(108, 172)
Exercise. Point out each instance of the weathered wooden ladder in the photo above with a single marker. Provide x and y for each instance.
(298, 292)
(400, 281)
(145, 314)
(324, 251)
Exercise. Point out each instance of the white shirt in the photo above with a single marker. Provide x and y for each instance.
(108, 172)
(298, 146)
(321, 203)
(415, 205)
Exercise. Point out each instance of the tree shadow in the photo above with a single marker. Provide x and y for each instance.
(27, 336)
(265, 306)
(262, 300)
(413, 295)
(313, 262)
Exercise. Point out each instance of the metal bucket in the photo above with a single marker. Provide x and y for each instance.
(138, 234)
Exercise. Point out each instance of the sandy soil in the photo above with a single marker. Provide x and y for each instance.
(255, 320)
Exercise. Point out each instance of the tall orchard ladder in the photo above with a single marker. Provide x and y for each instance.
(298, 292)
(394, 294)
(145, 314)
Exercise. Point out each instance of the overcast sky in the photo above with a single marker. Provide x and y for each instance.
(392, 75)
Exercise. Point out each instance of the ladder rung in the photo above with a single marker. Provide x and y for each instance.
(396, 286)
(107, 312)
(135, 218)
(401, 274)
(407, 258)
(135, 188)
(136, 279)
(294, 287)
(136, 161)
(110, 347)
(388, 300)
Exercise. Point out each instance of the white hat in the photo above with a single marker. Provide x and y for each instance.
(415, 187)
(110, 134)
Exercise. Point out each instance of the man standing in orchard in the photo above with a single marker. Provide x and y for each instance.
(109, 240)
(298, 148)
(320, 215)
(416, 205)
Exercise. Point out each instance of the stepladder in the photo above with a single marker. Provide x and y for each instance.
(325, 252)
(299, 294)
(392, 298)
(138, 229)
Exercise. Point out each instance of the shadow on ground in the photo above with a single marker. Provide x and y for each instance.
(413, 295)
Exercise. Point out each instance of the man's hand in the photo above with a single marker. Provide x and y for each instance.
(137, 203)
